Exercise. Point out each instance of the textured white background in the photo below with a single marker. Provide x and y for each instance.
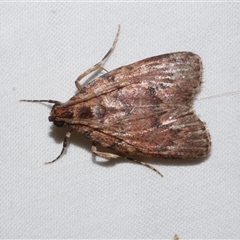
(43, 49)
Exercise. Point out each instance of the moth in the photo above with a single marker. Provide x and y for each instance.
(143, 108)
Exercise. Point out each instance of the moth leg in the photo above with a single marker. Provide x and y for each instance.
(104, 154)
(114, 156)
(99, 64)
(65, 142)
(145, 164)
(104, 69)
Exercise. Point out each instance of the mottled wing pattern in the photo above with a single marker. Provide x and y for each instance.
(173, 77)
(146, 110)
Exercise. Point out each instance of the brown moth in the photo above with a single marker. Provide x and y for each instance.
(139, 109)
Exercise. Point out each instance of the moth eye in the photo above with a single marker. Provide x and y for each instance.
(58, 123)
(50, 118)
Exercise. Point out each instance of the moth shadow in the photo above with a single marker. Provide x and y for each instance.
(92, 77)
(149, 160)
(47, 105)
(58, 134)
(154, 161)
(174, 162)
(79, 140)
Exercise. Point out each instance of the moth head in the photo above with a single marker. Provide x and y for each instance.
(58, 113)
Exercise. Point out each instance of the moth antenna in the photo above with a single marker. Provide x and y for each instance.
(113, 45)
(48, 101)
(99, 64)
(65, 142)
(146, 165)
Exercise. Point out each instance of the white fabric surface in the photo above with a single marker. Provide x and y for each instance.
(43, 49)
